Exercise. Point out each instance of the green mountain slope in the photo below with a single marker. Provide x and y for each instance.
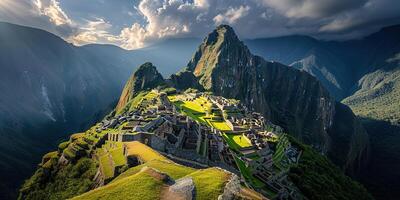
(318, 178)
(378, 96)
(377, 101)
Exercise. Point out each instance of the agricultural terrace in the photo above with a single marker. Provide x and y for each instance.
(237, 141)
(142, 151)
(144, 99)
(255, 182)
(111, 155)
(279, 155)
(201, 110)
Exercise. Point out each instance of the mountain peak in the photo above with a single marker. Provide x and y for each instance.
(146, 77)
(221, 45)
(220, 34)
(226, 29)
(146, 67)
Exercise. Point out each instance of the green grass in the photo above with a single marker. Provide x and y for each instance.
(173, 170)
(209, 183)
(220, 125)
(141, 99)
(118, 156)
(194, 109)
(318, 178)
(379, 96)
(198, 109)
(105, 164)
(140, 186)
(246, 173)
(279, 154)
(142, 151)
(236, 142)
(69, 153)
(255, 182)
(134, 184)
(241, 140)
(63, 145)
(65, 182)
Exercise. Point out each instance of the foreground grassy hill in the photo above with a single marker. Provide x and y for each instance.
(152, 179)
(149, 180)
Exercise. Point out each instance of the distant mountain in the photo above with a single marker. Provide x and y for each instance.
(339, 65)
(49, 88)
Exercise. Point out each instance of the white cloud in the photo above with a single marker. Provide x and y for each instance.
(52, 10)
(163, 19)
(94, 31)
(43, 14)
(231, 15)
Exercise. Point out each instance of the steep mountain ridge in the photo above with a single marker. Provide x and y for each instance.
(49, 88)
(291, 98)
(145, 77)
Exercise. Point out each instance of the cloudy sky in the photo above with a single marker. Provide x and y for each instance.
(133, 24)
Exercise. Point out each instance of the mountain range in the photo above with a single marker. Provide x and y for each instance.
(49, 87)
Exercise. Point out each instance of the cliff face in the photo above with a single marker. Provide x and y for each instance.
(146, 77)
(291, 98)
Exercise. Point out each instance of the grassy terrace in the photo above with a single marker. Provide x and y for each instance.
(220, 125)
(142, 151)
(200, 110)
(141, 100)
(237, 142)
(279, 154)
(106, 167)
(245, 171)
(110, 155)
(255, 182)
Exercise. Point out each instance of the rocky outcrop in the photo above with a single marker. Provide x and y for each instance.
(145, 77)
(232, 188)
(183, 80)
(183, 188)
(289, 97)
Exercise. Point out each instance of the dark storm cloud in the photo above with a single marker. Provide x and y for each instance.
(313, 8)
